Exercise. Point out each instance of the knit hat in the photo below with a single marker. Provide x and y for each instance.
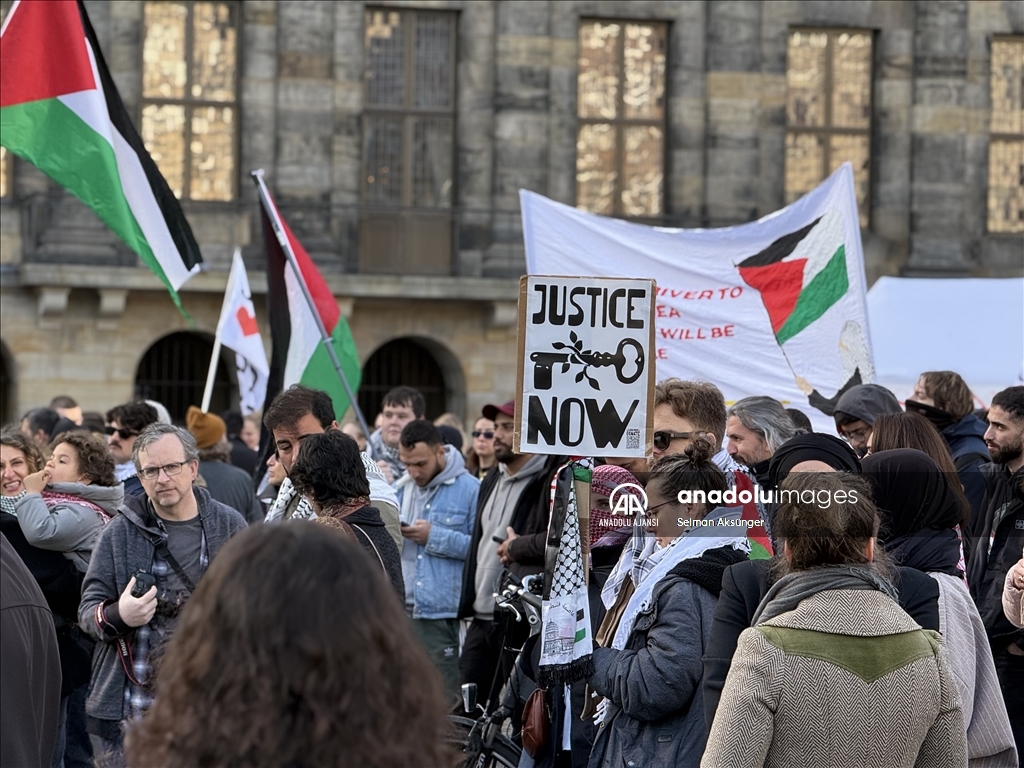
(206, 428)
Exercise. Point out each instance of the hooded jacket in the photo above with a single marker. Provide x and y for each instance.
(125, 547)
(68, 527)
(866, 402)
(433, 572)
(967, 446)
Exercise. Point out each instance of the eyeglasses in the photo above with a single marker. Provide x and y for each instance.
(121, 432)
(486, 434)
(662, 440)
(858, 435)
(152, 473)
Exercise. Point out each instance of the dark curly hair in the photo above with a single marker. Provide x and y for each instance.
(136, 415)
(94, 461)
(293, 651)
(12, 437)
(329, 468)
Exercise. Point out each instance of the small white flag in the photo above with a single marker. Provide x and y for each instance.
(239, 332)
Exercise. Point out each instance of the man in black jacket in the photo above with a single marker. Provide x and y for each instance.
(1001, 539)
(510, 531)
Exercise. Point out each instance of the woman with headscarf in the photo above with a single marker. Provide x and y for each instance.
(832, 672)
(650, 677)
(745, 585)
(919, 512)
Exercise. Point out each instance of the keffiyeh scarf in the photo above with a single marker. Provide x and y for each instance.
(567, 646)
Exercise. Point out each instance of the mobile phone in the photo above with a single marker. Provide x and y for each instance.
(497, 540)
(404, 525)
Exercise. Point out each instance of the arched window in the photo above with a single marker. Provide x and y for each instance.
(419, 363)
(173, 372)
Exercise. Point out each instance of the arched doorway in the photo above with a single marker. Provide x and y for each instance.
(173, 372)
(413, 362)
(6, 386)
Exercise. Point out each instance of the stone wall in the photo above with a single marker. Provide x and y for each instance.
(301, 101)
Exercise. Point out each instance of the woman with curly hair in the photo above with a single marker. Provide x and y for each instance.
(330, 474)
(69, 500)
(292, 652)
(19, 458)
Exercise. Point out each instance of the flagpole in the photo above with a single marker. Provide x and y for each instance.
(208, 392)
(282, 239)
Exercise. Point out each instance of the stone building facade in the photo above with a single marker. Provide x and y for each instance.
(429, 289)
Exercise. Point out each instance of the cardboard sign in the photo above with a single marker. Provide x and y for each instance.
(586, 373)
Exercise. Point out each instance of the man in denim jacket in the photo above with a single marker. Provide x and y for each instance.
(437, 505)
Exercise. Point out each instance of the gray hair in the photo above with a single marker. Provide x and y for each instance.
(767, 417)
(157, 430)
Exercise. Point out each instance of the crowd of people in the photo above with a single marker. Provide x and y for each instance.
(171, 598)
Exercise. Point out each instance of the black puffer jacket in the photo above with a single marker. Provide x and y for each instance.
(997, 548)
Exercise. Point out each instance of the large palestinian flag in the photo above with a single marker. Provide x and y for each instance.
(298, 355)
(60, 110)
(800, 275)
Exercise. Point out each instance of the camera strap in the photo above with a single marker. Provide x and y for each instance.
(124, 652)
(162, 551)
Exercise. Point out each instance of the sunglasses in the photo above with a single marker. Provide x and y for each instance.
(662, 440)
(486, 434)
(123, 433)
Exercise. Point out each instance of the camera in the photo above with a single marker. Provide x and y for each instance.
(143, 582)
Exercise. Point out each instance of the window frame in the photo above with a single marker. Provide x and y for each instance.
(994, 136)
(827, 130)
(408, 112)
(190, 104)
(620, 122)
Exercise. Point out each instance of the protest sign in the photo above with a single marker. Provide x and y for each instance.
(585, 383)
(774, 307)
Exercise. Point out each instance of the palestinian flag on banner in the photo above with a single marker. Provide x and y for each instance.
(60, 110)
(298, 355)
(800, 275)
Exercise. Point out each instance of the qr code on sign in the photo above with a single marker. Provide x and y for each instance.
(632, 438)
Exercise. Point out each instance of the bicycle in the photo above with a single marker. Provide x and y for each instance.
(483, 741)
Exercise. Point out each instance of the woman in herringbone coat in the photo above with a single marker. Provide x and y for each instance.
(833, 672)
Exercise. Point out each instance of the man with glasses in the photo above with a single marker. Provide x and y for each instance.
(124, 423)
(165, 538)
(685, 411)
(857, 410)
(510, 531)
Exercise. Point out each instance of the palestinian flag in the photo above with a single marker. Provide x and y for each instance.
(59, 110)
(299, 355)
(800, 275)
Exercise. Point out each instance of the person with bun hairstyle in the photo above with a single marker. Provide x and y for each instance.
(833, 672)
(650, 677)
(293, 651)
(71, 498)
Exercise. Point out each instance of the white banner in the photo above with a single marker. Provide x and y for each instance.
(238, 331)
(775, 307)
(586, 381)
